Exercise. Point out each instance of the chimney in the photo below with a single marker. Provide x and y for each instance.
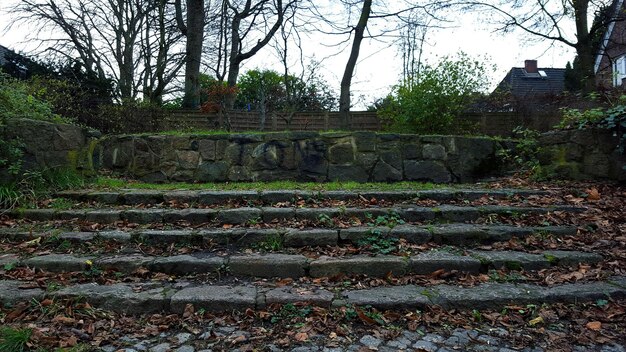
(531, 66)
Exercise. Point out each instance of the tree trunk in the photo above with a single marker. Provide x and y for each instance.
(346, 81)
(583, 46)
(195, 36)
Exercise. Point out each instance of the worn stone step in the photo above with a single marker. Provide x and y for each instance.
(134, 197)
(153, 297)
(295, 265)
(452, 234)
(249, 215)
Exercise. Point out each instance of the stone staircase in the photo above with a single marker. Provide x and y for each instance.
(140, 252)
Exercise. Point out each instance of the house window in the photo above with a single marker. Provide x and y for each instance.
(619, 71)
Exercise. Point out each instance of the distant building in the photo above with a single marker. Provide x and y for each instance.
(610, 65)
(531, 80)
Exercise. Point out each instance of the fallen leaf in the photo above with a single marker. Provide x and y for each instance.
(594, 325)
(188, 311)
(537, 320)
(301, 336)
(364, 318)
(593, 194)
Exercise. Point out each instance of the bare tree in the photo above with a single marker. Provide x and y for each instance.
(121, 39)
(162, 58)
(565, 22)
(245, 19)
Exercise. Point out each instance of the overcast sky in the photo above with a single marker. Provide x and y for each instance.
(380, 66)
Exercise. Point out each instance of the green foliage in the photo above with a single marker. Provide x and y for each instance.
(33, 185)
(14, 340)
(390, 220)
(525, 157)
(17, 102)
(379, 243)
(612, 118)
(269, 90)
(272, 243)
(432, 100)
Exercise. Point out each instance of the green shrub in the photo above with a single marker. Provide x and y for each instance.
(612, 118)
(432, 100)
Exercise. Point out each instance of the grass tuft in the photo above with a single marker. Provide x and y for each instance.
(14, 340)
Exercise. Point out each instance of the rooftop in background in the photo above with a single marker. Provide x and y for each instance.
(531, 80)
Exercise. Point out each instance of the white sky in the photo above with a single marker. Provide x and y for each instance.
(379, 66)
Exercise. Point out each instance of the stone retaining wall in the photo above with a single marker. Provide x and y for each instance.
(52, 145)
(582, 154)
(302, 156)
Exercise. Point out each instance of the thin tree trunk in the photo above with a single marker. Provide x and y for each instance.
(195, 37)
(346, 81)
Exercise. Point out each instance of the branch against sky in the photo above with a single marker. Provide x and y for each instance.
(569, 22)
(132, 42)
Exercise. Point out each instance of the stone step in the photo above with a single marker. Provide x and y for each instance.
(295, 265)
(154, 297)
(135, 196)
(451, 234)
(249, 215)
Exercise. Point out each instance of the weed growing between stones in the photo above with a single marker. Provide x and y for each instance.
(379, 243)
(272, 243)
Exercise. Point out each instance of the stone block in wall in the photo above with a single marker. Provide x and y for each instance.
(366, 160)
(555, 137)
(238, 153)
(69, 137)
(388, 137)
(244, 138)
(213, 171)
(596, 164)
(411, 151)
(384, 172)
(207, 149)
(475, 157)
(220, 148)
(180, 142)
(154, 177)
(267, 156)
(432, 139)
(365, 141)
(392, 157)
(239, 174)
(311, 157)
(347, 173)
(188, 159)
(183, 176)
(426, 170)
(434, 152)
(119, 155)
(342, 153)
(144, 163)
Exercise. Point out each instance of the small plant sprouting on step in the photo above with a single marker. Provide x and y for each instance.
(498, 276)
(272, 243)
(390, 220)
(291, 312)
(254, 221)
(325, 220)
(61, 204)
(477, 315)
(9, 266)
(379, 243)
(14, 340)
(91, 270)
